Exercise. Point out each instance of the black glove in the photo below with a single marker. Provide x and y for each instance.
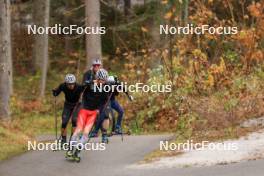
(117, 81)
(88, 82)
(130, 97)
(54, 93)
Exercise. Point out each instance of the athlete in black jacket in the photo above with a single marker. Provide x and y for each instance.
(92, 101)
(72, 92)
(89, 76)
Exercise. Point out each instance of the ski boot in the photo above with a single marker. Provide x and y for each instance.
(118, 130)
(93, 135)
(63, 141)
(105, 139)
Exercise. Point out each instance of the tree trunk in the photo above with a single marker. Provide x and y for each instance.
(127, 7)
(40, 53)
(68, 46)
(10, 61)
(68, 41)
(45, 60)
(5, 58)
(186, 12)
(93, 41)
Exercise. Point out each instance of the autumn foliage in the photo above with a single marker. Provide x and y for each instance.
(213, 70)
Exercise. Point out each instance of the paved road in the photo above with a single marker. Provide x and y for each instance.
(115, 161)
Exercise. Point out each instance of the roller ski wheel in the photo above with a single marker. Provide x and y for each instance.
(76, 156)
(69, 155)
(77, 159)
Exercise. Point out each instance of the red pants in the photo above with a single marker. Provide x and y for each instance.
(86, 118)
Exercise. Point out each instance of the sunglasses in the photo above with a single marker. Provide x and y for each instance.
(96, 65)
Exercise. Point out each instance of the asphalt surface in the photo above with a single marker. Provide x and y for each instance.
(116, 161)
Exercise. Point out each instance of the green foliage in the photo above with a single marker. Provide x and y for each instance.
(185, 125)
(231, 104)
(260, 72)
(232, 57)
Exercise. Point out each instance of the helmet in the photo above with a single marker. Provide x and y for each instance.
(97, 62)
(102, 74)
(70, 79)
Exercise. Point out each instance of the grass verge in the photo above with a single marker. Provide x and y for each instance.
(15, 134)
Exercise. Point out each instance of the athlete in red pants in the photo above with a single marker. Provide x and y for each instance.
(92, 100)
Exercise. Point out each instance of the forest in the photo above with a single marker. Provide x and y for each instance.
(217, 79)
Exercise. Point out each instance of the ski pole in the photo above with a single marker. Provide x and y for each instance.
(131, 99)
(113, 120)
(122, 136)
(104, 107)
(89, 136)
(78, 105)
(56, 120)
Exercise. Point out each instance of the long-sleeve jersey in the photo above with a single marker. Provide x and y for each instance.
(92, 99)
(71, 96)
(116, 92)
(88, 76)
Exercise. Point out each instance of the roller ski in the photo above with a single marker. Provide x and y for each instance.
(73, 155)
(119, 131)
(69, 154)
(77, 156)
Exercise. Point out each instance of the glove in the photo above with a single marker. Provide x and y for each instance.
(116, 80)
(87, 82)
(54, 92)
(130, 97)
(111, 79)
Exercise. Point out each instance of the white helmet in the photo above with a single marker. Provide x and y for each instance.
(70, 79)
(102, 74)
(97, 62)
